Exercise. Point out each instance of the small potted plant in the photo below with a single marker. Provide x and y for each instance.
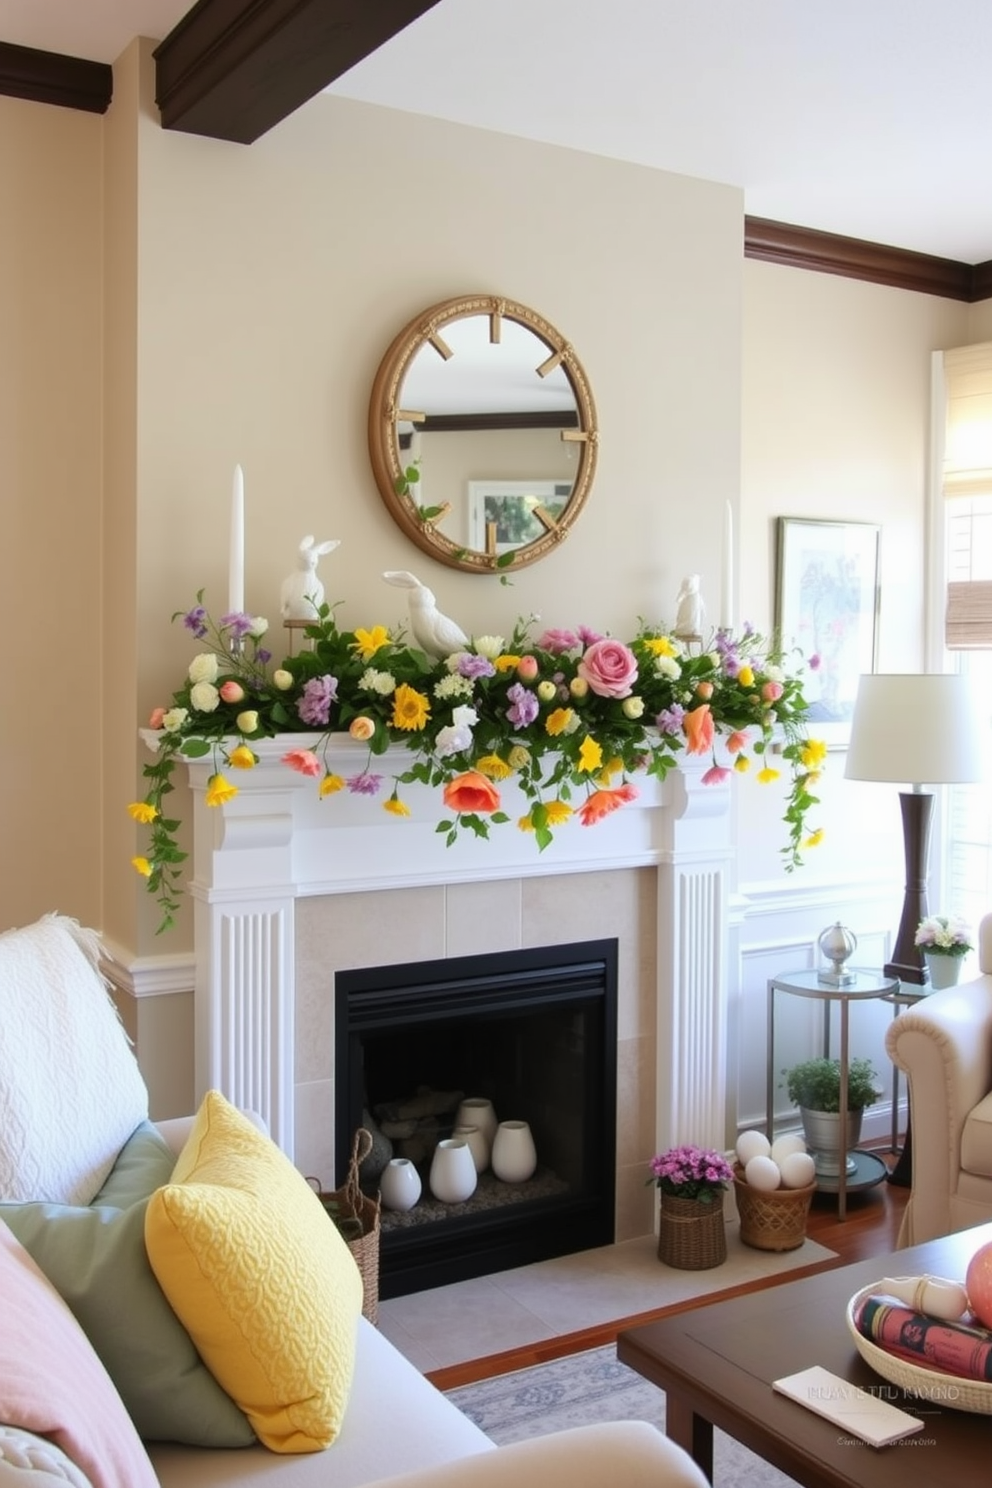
(814, 1086)
(944, 940)
(692, 1182)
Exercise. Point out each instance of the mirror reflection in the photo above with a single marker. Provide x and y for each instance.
(482, 433)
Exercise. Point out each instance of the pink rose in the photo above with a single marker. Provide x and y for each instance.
(303, 760)
(772, 691)
(610, 668)
(232, 692)
(527, 668)
(155, 721)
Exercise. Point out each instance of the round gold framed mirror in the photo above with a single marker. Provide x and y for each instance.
(482, 433)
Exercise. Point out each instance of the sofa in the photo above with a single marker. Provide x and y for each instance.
(943, 1045)
(178, 1309)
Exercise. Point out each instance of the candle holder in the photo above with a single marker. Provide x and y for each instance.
(292, 625)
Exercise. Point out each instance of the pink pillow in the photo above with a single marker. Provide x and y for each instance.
(52, 1383)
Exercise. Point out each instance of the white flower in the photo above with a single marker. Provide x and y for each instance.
(948, 933)
(174, 719)
(775, 673)
(204, 697)
(490, 646)
(381, 682)
(464, 717)
(282, 679)
(203, 668)
(453, 686)
(667, 666)
(452, 740)
(259, 626)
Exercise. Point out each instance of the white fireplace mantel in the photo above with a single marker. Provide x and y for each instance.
(277, 841)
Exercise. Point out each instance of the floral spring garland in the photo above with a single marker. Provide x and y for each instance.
(572, 716)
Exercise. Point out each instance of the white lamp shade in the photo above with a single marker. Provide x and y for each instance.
(921, 729)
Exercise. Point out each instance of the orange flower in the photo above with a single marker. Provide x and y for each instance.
(471, 792)
(737, 741)
(602, 802)
(699, 730)
(303, 760)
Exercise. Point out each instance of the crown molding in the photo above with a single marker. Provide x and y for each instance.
(232, 70)
(48, 77)
(853, 258)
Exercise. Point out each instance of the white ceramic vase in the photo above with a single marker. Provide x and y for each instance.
(944, 970)
(475, 1110)
(399, 1184)
(477, 1144)
(452, 1176)
(514, 1156)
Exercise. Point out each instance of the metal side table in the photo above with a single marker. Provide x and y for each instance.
(869, 1170)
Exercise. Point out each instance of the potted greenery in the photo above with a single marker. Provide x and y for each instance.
(945, 940)
(814, 1086)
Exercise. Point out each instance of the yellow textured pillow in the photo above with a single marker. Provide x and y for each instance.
(260, 1278)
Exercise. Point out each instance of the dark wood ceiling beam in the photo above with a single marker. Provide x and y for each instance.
(233, 69)
(828, 253)
(48, 77)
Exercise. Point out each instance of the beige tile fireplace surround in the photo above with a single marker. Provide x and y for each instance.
(290, 889)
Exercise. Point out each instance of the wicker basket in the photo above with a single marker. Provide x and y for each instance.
(775, 1220)
(944, 1389)
(353, 1211)
(691, 1235)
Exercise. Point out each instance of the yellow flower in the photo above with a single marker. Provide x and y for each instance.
(506, 662)
(813, 777)
(518, 757)
(608, 771)
(525, 823)
(411, 709)
(493, 766)
(590, 755)
(395, 806)
(558, 721)
(368, 642)
(814, 753)
(746, 676)
(219, 790)
(143, 812)
(242, 758)
(330, 784)
(558, 812)
(660, 646)
(143, 866)
(814, 839)
(742, 764)
(767, 775)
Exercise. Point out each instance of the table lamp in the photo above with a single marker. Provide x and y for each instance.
(923, 729)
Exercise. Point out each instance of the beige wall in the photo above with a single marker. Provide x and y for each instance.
(51, 577)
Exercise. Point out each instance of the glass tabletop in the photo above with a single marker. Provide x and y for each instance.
(865, 983)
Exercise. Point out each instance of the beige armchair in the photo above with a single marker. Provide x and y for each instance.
(944, 1046)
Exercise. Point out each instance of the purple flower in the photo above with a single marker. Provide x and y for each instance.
(669, 720)
(588, 637)
(263, 656)
(557, 641)
(364, 784)
(472, 666)
(237, 622)
(815, 662)
(196, 621)
(690, 1172)
(314, 706)
(524, 705)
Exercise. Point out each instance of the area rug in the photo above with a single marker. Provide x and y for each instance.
(593, 1386)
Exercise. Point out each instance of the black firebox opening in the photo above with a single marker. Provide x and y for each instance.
(535, 1032)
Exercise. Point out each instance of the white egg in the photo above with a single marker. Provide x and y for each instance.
(798, 1169)
(762, 1173)
(782, 1146)
(752, 1144)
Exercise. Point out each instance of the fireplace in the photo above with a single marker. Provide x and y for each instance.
(535, 1032)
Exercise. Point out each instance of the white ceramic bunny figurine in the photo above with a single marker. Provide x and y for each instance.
(302, 592)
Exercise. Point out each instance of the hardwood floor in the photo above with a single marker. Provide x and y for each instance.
(870, 1228)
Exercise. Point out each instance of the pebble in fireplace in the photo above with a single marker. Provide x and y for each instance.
(535, 1032)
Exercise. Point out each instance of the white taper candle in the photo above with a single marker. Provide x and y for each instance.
(727, 571)
(236, 568)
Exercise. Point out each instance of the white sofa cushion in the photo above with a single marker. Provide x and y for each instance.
(29, 1461)
(71, 1092)
(395, 1420)
(976, 1139)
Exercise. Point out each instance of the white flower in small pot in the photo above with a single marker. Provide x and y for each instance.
(944, 940)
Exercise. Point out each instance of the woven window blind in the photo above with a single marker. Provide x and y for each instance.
(967, 485)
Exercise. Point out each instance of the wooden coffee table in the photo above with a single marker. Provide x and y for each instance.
(716, 1364)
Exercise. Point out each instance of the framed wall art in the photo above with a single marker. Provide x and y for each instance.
(826, 604)
(506, 514)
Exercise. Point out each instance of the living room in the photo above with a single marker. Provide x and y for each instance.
(183, 305)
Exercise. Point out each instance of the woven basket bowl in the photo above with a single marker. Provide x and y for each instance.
(943, 1389)
(775, 1220)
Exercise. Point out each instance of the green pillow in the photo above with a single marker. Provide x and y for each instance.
(143, 1164)
(96, 1259)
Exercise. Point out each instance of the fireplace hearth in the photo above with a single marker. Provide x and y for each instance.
(532, 1030)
